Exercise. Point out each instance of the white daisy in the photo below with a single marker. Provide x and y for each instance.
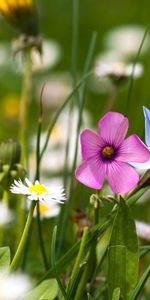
(47, 210)
(117, 69)
(38, 191)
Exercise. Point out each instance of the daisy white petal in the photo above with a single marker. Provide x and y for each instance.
(29, 183)
(38, 191)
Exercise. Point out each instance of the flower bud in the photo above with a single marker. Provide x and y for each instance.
(22, 14)
(96, 201)
(10, 152)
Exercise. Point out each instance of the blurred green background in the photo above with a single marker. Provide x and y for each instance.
(94, 15)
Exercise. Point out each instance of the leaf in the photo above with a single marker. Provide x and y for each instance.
(116, 294)
(103, 243)
(47, 290)
(4, 258)
(66, 259)
(141, 284)
(53, 261)
(123, 253)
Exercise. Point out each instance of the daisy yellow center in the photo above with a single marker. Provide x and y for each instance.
(38, 189)
(107, 152)
(43, 208)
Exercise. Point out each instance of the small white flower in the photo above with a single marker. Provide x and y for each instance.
(47, 210)
(13, 286)
(6, 215)
(51, 54)
(143, 230)
(126, 40)
(38, 191)
(117, 69)
(58, 87)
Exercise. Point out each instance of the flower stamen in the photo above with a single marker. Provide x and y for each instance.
(38, 189)
(108, 152)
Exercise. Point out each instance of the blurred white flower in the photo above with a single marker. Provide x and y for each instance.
(143, 230)
(13, 286)
(6, 215)
(126, 40)
(51, 54)
(38, 191)
(117, 69)
(54, 157)
(56, 90)
(47, 210)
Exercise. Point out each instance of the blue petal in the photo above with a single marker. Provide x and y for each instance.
(141, 166)
(147, 125)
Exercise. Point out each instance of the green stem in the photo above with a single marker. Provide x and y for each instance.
(75, 30)
(22, 243)
(23, 118)
(5, 197)
(82, 284)
(24, 103)
(80, 255)
(53, 262)
(37, 177)
(131, 79)
(91, 262)
(82, 103)
(43, 252)
(49, 131)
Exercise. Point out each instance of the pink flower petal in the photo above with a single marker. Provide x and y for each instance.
(121, 177)
(91, 173)
(113, 128)
(91, 144)
(133, 150)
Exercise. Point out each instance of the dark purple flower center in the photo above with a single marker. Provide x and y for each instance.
(108, 152)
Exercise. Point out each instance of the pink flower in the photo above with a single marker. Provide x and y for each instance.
(108, 154)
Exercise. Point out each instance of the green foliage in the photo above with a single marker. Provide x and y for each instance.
(123, 253)
(116, 294)
(48, 290)
(141, 284)
(4, 258)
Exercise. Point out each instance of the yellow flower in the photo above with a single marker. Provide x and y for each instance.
(22, 14)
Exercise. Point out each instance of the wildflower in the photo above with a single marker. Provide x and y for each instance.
(48, 210)
(57, 88)
(6, 215)
(143, 230)
(107, 155)
(146, 165)
(118, 70)
(13, 286)
(38, 191)
(126, 40)
(21, 14)
(51, 54)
